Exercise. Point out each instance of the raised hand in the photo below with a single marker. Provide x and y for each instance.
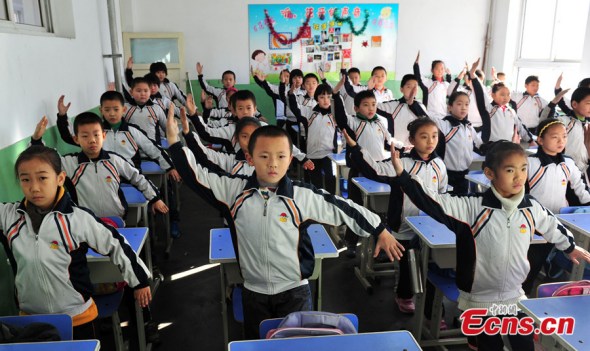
(396, 161)
(515, 136)
(199, 68)
(417, 57)
(62, 109)
(190, 104)
(40, 128)
(447, 70)
(349, 141)
(371, 83)
(171, 126)
(111, 86)
(321, 74)
(560, 96)
(130, 62)
(184, 121)
(462, 73)
(558, 82)
(474, 66)
(494, 73)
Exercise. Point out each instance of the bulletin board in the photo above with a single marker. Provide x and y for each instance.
(326, 37)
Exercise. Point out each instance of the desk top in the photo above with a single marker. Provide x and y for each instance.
(393, 340)
(478, 178)
(221, 249)
(437, 236)
(371, 187)
(150, 167)
(136, 238)
(564, 306)
(477, 157)
(134, 197)
(579, 222)
(339, 159)
(164, 143)
(84, 345)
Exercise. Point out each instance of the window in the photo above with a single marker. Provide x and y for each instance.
(552, 41)
(25, 15)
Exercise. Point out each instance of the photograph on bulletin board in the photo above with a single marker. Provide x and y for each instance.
(327, 37)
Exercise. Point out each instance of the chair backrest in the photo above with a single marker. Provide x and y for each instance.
(547, 290)
(117, 221)
(574, 209)
(62, 322)
(307, 323)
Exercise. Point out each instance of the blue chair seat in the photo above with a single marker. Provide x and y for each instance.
(236, 299)
(108, 304)
(445, 284)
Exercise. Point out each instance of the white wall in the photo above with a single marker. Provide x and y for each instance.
(35, 70)
(216, 32)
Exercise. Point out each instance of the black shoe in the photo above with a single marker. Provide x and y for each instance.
(152, 335)
(351, 252)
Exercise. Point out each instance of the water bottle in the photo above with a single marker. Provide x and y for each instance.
(415, 274)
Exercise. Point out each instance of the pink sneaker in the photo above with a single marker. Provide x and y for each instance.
(443, 325)
(405, 305)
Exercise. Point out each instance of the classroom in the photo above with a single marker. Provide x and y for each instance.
(387, 163)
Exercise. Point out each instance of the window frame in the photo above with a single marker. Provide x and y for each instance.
(10, 26)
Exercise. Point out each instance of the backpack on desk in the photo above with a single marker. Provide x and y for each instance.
(33, 332)
(312, 323)
(581, 287)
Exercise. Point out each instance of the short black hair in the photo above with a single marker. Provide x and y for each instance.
(584, 83)
(86, 118)
(322, 89)
(436, 62)
(455, 95)
(157, 67)
(418, 123)
(354, 70)
(580, 94)
(42, 153)
(496, 87)
(152, 79)
(256, 52)
(546, 124)
(112, 96)
(406, 78)
(365, 94)
(531, 79)
(271, 132)
(228, 72)
(378, 68)
(499, 151)
(295, 73)
(310, 76)
(242, 95)
(139, 80)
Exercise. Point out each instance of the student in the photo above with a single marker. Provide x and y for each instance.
(167, 88)
(217, 117)
(122, 138)
(142, 111)
(294, 80)
(366, 129)
(376, 84)
(320, 129)
(422, 162)
(243, 104)
(228, 78)
(275, 253)
(54, 277)
(434, 89)
(272, 90)
(97, 174)
(499, 120)
(354, 77)
(563, 104)
(399, 113)
(575, 123)
(555, 181)
(494, 230)
(220, 161)
(529, 104)
(460, 141)
(467, 87)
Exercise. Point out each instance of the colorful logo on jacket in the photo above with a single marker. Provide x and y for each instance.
(434, 179)
(563, 182)
(109, 179)
(122, 141)
(523, 228)
(54, 245)
(283, 217)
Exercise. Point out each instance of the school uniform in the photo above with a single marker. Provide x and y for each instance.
(218, 94)
(529, 108)
(399, 114)
(97, 182)
(556, 182)
(50, 261)
(322, 137)
(273, 92)
(128, 141)
(498, 121)
(460, 140)
(233, 164)
(434, 93)
(274, 252)
(149, 117)
(380, 95)
(473, 112)
(574, 126)
(171, 91)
